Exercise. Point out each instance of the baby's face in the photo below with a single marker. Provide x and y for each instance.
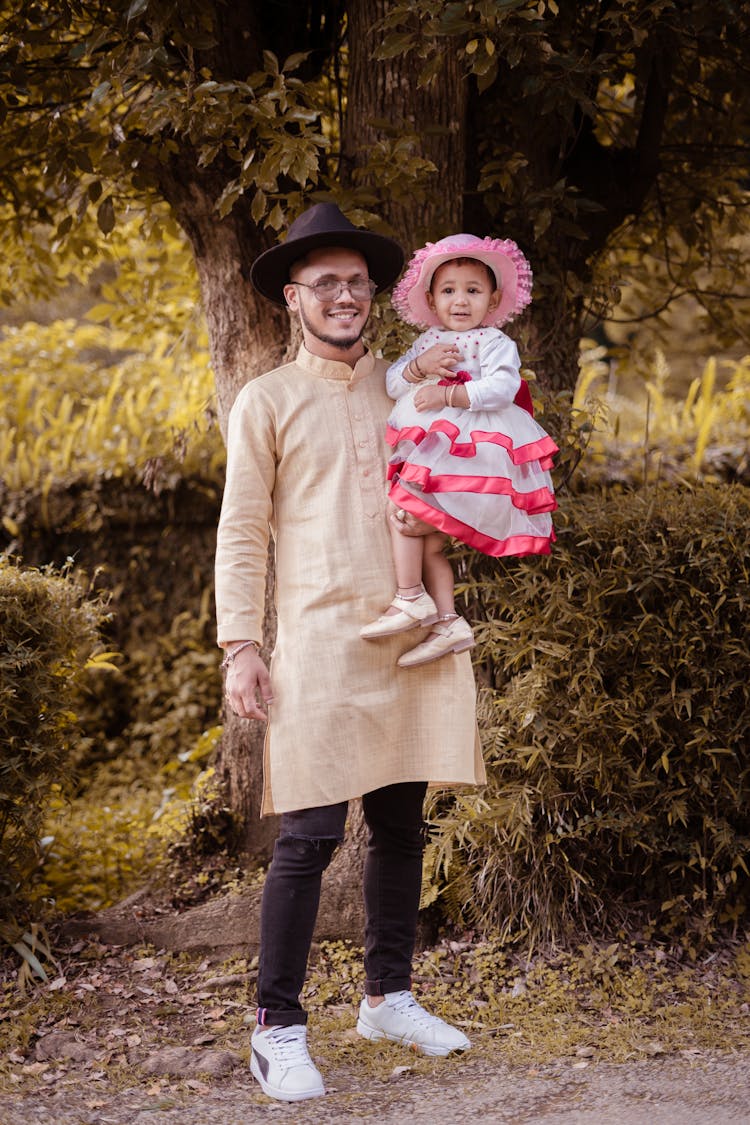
(462, 295)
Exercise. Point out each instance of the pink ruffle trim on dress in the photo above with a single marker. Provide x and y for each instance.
(516, 545)
(542, 450)
(534, 502)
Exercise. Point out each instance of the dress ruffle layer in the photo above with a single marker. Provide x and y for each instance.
(479, 476)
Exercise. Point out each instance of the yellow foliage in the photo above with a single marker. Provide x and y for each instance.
(110, 395)
(65, 415)
(715, 413)
(106, 842)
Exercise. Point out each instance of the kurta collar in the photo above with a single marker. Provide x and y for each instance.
(332, 369)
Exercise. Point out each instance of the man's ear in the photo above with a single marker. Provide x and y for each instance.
(291, 296)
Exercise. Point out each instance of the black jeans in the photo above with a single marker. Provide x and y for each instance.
(392, 884)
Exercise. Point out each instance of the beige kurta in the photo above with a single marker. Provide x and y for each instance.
(307, 463)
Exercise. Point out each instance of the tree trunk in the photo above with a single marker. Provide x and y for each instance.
(387, 91)
(384, 98)
(247, 334)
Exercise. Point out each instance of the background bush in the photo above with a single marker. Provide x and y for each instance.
(614, 709)
(147, 726)
(48, 636)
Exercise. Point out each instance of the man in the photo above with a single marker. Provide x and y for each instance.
(306, 464)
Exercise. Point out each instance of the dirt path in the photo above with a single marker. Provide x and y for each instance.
(608, 1036)
(667, 1091)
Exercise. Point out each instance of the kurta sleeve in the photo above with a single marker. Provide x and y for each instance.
(244, 523)
(500, 374)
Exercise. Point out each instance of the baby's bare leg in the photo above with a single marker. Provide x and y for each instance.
(408, 556)
(438, 573)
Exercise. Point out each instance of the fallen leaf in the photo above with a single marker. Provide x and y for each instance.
(143, 963)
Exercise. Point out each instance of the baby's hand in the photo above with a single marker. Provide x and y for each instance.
(431, 397)
(439, 361)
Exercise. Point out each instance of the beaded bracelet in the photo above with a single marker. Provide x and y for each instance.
(234, 652)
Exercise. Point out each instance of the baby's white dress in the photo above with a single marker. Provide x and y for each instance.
(481, 474)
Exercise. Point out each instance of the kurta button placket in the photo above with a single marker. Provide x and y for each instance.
(368, 453)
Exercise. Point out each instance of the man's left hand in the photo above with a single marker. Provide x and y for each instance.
(407, 524)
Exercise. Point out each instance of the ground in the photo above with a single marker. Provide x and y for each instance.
(624, 1033)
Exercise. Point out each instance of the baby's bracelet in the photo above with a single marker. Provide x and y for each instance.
(417, 368)
(449, 395)
(231, 655)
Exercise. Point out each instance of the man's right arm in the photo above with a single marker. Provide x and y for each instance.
(242, 548)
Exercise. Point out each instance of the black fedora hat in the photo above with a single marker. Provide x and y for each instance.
(324, 225)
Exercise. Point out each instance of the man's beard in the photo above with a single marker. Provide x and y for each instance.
(335, 342)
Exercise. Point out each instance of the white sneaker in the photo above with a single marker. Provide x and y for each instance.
(281, 1063)
(401, 1019)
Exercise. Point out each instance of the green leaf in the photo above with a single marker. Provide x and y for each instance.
(100, 91)
(31, 959)
(270, 62)
(136, 9)
(396, 44)
(258, 206)
(105, 216)
(295, 60)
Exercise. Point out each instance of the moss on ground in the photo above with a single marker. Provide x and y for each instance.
(609, 1002)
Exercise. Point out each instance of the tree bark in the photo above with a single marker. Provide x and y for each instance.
(247, 334)
(384, 98)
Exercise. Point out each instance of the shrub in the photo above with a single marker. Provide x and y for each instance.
(614, 704)
(48, 633)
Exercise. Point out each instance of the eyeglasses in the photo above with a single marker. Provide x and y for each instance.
(329, 289)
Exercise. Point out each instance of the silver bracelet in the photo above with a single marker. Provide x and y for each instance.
(229, 659)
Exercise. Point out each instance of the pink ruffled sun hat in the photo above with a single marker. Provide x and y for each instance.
(511, 269)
